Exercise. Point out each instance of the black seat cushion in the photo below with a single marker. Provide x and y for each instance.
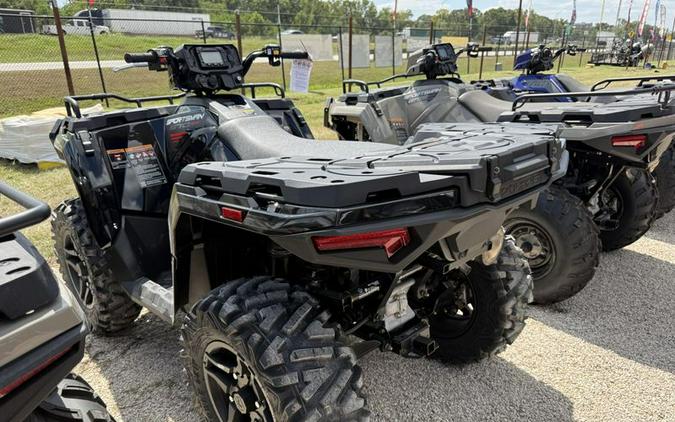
(259, 137)
(486, 107)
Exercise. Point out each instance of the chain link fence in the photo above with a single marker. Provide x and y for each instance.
(33, 75)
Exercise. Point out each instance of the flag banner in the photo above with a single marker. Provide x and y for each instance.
(630, 9)
(469, 5)
(573, 19)
(643, 18)
(527, 16)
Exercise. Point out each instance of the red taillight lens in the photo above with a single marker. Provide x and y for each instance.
(390, 240)
(30, 374)
(232, 214)
(632, 141)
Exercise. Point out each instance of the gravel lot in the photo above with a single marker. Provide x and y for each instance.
(607, 354)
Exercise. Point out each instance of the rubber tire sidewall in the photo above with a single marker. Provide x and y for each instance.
(113, 309)
(502, 292)
(238, 311)
(575, 238)
(664, 174)
(639, 197)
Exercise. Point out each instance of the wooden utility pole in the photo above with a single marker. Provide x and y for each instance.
(431, 32)
(351, 45)
(62, 46)
(520, 15)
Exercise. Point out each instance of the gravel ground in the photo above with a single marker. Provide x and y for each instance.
(607, 354)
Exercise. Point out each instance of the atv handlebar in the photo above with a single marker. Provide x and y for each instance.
(274, 55)
(36, 211)
(300, 55)
(139, 57)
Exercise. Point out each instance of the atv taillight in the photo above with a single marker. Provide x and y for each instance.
(21, 379)
(632, 141)
(390, 240)
(232, 214)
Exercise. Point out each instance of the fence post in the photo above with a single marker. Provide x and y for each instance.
(281, 47)
(203, 32)
(527, 39)
(237, 28)
(482, 54)
(520, 12)
(62, 46)
(237, 25)
(351, 31)
(431, 32)
(663, 47)
(562, 56)
(670, 44)
(98, 59)
(499, 43)
(393, 50)
(342, 56)
(581, 56)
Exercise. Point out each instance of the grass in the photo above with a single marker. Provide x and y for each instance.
(25, 48)
(53, 186)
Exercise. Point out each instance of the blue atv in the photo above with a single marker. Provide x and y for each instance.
(532, 81)
(533, 62)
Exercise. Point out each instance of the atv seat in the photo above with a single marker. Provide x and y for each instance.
(258, 137)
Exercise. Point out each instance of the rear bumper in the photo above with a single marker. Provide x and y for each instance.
(19, 403)
(465, 230)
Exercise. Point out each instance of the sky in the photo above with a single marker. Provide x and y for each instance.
(587, 10)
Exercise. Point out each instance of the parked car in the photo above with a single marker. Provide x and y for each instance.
(76, 27)
(292, 32)
(215, 32)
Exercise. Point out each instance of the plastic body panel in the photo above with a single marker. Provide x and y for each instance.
(540, 84)
(18, 404)
(26, 282)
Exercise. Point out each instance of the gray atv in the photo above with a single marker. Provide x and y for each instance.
(42, 331)
(608, 195)
(286, 259)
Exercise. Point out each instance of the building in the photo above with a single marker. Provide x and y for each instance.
(17, 21)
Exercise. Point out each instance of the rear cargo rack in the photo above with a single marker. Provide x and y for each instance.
(72, 103)
(365, 86)
(662, 91)
(640, 79)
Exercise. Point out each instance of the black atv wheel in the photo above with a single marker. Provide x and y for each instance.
(485, 309)
(665, 182)
(627, 209)
(73, 400)
(560, 241)
(86, 271)
(260, 349)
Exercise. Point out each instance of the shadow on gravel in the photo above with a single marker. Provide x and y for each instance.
(147, 383)
(144, 372)
(664, 229)
(627, 308)
(402, 389)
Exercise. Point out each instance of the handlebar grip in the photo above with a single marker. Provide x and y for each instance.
(295, 55)
(139, 57)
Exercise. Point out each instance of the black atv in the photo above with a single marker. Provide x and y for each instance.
(282, 250)
(612, 149)
(42, 331)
